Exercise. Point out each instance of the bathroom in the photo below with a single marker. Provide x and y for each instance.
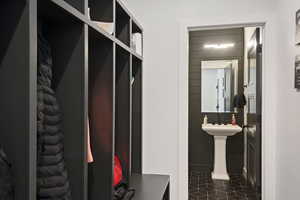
(225, 66)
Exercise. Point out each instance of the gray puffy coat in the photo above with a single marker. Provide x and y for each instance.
(52, 176)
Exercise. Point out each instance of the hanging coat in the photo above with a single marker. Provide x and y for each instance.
(52, 176)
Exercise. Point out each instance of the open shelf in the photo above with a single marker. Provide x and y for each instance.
(66, 37)
(137, 38)
(78, 4)
(59, 10)
(18, 86)
(101, 14)
(122, 24)
(136, 27)
(101, 10)
(136, 106)
(122, 110)
(101, 115)
(150, 187)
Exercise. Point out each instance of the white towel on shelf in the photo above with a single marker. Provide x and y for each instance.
(107, 26)
(137, 43)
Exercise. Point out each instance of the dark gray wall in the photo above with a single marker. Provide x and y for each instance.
(201, 145)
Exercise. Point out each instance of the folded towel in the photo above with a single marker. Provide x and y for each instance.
(108, 27)
(137, 43)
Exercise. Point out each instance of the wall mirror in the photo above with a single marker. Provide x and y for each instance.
(219, 85)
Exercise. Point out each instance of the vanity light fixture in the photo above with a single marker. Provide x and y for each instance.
(219, 46)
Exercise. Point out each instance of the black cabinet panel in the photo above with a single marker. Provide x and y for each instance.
(18, 68)
(95, 75)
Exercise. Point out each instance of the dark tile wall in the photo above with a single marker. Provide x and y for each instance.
(201, 145)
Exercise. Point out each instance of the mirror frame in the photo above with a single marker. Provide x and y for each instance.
(240, 79)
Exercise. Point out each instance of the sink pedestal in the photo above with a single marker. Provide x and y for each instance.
(220, 133)
(220, 168)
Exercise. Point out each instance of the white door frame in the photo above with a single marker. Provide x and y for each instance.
(268, 126)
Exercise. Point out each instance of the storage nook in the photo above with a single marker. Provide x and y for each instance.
(97, 76)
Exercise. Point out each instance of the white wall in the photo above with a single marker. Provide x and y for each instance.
(166, 76)
(288, 159)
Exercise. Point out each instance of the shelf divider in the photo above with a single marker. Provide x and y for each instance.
(18, 68)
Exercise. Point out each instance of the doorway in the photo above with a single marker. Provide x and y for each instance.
(221, 92)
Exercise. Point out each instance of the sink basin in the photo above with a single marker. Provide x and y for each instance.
(220, 133)
(221, 130)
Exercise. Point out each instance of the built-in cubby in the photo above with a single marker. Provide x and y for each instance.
(136, 123)
(136, 27)
(136, 38)
(97, 76)
(122, 24)
(122, 112)
(101, 115)
(101, 10)
(66, 37)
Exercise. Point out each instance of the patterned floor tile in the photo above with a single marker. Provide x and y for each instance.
(202, 187)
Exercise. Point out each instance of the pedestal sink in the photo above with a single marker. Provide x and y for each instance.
(220, 133)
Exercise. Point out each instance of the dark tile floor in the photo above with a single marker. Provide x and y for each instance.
(202, 187)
